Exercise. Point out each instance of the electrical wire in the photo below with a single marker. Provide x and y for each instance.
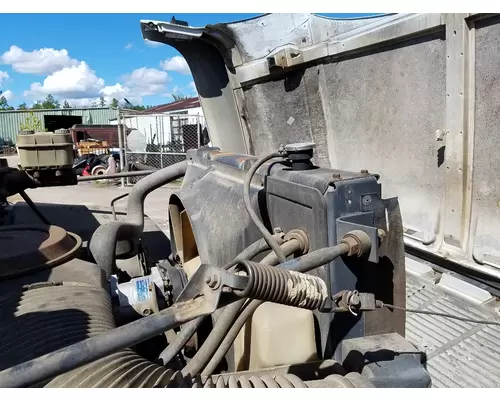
(438, 314)
(251, 212)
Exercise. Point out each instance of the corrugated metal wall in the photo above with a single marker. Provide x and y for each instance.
(10, 121)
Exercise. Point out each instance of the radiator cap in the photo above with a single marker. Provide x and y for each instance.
(296, 147)
(29, 248)
(300, 155)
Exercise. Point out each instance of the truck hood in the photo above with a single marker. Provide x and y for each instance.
(406, 96)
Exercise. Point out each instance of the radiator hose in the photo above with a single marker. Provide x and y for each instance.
(103, 244)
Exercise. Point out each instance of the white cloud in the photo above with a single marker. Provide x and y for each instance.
(146, 81)
(76, 82)
(177, 64)
(140, 82)
(3, 77)
(86, 102)
(8, 94)
(150, 43)
(41, 62)
(80, 85)
(128, 46)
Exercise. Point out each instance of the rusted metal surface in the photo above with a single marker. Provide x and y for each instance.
(26, 249)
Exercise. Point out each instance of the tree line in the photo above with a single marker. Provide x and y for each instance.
(50, 103)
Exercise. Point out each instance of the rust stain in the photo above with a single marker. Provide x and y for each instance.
(189, 309)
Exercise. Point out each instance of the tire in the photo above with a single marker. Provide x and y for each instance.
(98, 170)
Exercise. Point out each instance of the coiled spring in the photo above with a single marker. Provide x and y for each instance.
(282, 286)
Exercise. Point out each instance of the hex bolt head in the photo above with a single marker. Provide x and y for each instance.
(336, 176)
(359, 243)
(364, 171)
(367, 200)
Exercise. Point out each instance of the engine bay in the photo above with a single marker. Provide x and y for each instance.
(278, 273)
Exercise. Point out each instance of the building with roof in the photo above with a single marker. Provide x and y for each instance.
(52, 119)
(189, 106)
(160, 124)
(166, 123)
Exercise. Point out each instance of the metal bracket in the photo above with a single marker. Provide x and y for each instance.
(209, 282)
(364, 222)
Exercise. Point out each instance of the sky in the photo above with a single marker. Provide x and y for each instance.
(81, 57)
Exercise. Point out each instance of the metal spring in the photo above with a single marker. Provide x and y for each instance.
(282, 286)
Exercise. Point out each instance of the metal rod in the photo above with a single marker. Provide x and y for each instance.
(33, 207)
(168, 153)
(120, 144)
(67, 359)
(116, 176)
(198, 131)
(114, 201)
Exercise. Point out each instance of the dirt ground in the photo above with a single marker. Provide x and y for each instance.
(99, 194)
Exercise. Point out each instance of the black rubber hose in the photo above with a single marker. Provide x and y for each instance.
(103, 242)
(253, 215)
(316, 258)
(33, 206)
(189, 329)
(246, 311)
(224, 323)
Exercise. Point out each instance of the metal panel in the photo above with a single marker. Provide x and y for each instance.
(485, 227)
(10, 121)
(379, 111)
(395, 95)
(382, 112)
(459, 354)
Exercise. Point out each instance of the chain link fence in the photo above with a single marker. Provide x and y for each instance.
(159, 140)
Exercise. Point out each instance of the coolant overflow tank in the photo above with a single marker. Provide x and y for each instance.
(300, 155)
(47, 156)
(45, 149)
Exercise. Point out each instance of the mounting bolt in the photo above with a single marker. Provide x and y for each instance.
(277, 231)
(359, 243)
(367, 200)
(364, 172)
(381, 235)
(354, 299)
(336, 176)
(213, 281)
(146, 312)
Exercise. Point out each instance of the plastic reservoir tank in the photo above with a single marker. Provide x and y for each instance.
(40, 150)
